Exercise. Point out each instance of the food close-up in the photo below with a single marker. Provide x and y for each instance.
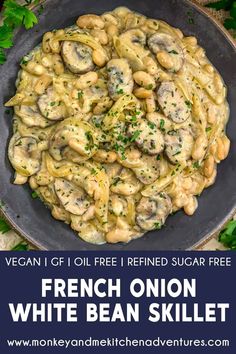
(119, 121)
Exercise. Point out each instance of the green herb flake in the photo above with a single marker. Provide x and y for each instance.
(157, 225)
(120, 91)
(208, 129)
(34, 195)
(135, 136)
(162, 124)
(149, 87)
(173, 52)
(80, 94)
(196, 165)
(188, 104)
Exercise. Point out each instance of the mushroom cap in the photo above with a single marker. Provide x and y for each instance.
(149, 138)
(72, 197)
(51, 106)
(152, 212)
(77, 57)
(179, 145)
(24, 155)
(164, 42)
(173, 103)
(73, 139)
(149, 171)
(31, 116)
(120, 80)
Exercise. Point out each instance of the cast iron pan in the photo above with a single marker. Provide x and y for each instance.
(33, 221)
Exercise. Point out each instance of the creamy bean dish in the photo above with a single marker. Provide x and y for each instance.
(119, 122)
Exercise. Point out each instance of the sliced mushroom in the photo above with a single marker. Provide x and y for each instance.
(24, 155)
(31, 116)
(73, 198)
(73, 139)
(120, 80)
(179, 145)
(47, 193)
(113, 170)
(51, 106)
(135, 37)
(164, 42)
(147, 137)
(126, 183)
(77, 57)
(149, 171)
(173, 102)
(152, 212)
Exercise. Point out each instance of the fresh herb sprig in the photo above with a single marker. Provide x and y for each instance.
(14, 16)
(22, 246)
(227, 5)
(228, 236)
(4, 227)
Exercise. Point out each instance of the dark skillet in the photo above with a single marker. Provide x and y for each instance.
(216, 205)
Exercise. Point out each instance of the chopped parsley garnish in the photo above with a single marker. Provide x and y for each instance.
(196, 164)
(94, 172)
(80, 94)
(173, 52)
(149, 87)
(151, 125)
(162, 124)
(188, 104)
(34, 195)
(157, 225)
(208, 129)
(190, 17)
(135, 136)
(120, 91)
(24, 61)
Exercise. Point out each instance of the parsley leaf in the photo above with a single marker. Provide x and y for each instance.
(220, 5)
(135, 135)
(162, 124)
(228, 236)
(6, 35)
(22, 246)
(2, 56)
(34, 195)
(196, 164)
(4, 227)
(227, 5)
(157, 225)
(14, 15)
